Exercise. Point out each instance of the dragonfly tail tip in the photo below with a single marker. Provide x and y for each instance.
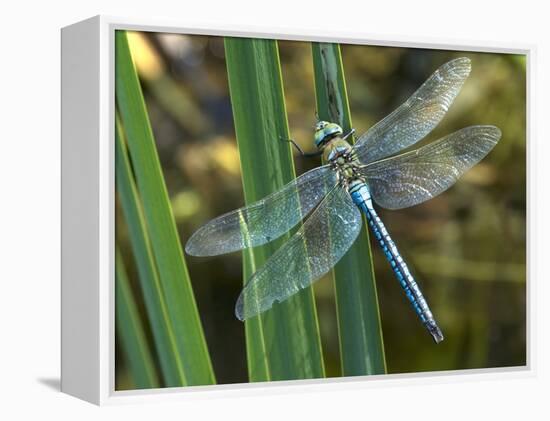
(436, 333)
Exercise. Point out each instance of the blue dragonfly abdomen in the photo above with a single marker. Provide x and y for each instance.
(361, 196)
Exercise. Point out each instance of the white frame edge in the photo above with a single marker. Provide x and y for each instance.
(80, 125)
(87, 127)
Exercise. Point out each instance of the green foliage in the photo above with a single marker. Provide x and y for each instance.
(284, 343)
(155, 304)
(194, 367)
(130, 331)
(360, 333)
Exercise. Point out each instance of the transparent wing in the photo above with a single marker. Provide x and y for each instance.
(265, 220)
(414, 119)
(414, 177)
(310, 253)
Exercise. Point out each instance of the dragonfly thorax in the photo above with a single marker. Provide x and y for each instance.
(342, 157)
(336, 150)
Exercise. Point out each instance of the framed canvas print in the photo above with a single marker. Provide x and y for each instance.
(248, 210)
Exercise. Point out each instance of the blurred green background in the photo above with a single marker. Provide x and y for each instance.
(467, 247)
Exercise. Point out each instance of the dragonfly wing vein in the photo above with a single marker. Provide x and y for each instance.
(418, 116)
(414, 177)
(265, 220)
(323, 239)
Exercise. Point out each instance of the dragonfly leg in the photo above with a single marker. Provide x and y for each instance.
(302, 153)
(352, 131)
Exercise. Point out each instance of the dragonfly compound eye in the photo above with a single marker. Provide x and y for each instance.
(325, 131)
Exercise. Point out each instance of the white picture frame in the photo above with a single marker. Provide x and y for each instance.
(88, 217)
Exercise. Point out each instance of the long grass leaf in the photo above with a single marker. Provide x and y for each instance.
(130, 331)
(361, 342)
(155, 304)
(283, 343)
(165, 242)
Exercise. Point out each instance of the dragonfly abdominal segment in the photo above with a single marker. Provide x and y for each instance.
(361, 197)
(344, 161)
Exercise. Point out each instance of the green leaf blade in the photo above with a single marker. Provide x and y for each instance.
(283, 343)
(164, 238)
(359, 326)
(130, 331)
(151, 288)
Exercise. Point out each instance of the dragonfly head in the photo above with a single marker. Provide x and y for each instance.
(324, 131)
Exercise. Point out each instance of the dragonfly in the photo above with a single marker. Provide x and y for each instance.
(332, 197)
